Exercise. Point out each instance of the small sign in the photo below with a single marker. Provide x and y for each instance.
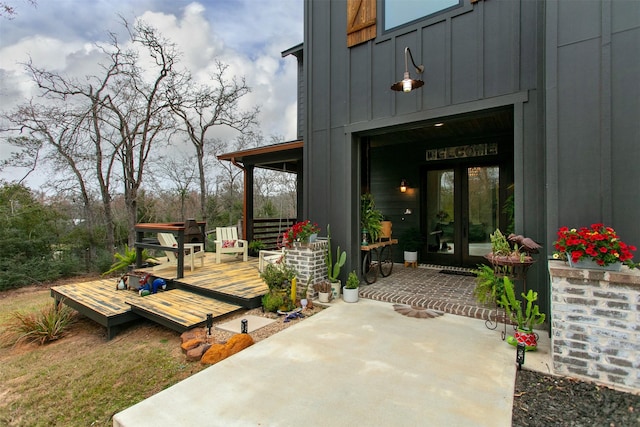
(462, 151)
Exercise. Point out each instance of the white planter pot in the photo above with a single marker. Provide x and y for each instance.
(323, 296)
(410, 256)
(350, 295)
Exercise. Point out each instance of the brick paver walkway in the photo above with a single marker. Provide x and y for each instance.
(427, 287)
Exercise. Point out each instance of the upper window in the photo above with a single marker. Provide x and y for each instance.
(400, 12)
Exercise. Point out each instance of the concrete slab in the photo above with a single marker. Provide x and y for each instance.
(352, 364)
(253, 323)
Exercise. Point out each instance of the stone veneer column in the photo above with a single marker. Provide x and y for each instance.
(596, 324)
(308, 262)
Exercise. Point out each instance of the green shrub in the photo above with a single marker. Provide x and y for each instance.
(255, 246)
(48, 324)
(272, 301)
(278, 276)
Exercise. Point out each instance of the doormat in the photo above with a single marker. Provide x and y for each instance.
(458, 273)
(253, 323)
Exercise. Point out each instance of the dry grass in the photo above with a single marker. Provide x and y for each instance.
(82, 379)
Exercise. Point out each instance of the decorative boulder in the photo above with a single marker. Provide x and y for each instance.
(192, 343)
(219, 352)
(197, 352)
(191, 334)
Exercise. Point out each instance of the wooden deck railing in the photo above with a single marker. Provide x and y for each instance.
(269, 230)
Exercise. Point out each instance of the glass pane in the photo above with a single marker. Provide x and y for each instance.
(440, 211)
(398, 12)
(484, 207)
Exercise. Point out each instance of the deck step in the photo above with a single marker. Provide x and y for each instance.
(98, 300)
(180, 309)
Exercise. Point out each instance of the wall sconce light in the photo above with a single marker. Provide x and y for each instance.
(403, 186)
(407, 84)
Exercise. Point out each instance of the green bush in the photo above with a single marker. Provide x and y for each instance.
(272, 301)
(278, 276)
(48, 324)
(17, 272)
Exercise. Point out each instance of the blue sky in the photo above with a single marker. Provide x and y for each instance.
(247, 35)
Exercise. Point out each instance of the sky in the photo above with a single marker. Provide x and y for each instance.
(247, 35)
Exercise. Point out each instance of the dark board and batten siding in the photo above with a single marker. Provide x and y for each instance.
(568, 70)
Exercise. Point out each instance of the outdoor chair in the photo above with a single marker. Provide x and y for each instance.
(269, 257)
(227, 242)
(191, 252)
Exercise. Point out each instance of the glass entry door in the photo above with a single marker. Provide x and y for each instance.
(462, 208)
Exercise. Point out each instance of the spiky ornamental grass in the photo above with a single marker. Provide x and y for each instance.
(47, 324)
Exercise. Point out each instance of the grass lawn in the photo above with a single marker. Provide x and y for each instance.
(82, 379)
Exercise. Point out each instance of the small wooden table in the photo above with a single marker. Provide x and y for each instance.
(376, 257)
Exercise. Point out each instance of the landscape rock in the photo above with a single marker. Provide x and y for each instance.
(197, 352)
(219, 352)
(192, 334)
(191, 344)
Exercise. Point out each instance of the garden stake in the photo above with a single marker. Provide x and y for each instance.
(520, 350)
(209, 323)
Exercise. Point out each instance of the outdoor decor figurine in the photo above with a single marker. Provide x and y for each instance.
(152, 288)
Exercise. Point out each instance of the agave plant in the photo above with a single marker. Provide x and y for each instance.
(125, 259)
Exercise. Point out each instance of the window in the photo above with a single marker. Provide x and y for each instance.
(400, 12)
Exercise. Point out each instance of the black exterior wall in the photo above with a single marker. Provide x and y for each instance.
(567, 70)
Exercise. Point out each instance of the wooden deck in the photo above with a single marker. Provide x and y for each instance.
(100, 301)
(178, 309)
(217, 289)
(232, 281)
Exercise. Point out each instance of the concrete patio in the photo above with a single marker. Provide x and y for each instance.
(352, 364)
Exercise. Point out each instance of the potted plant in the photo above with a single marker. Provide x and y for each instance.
(411, 241)
(597, 247)
(324, 291)
(127, 259)
(301, 232)
(255, 246)
(350, 293)
(503, 253)
(525, 319)
(370, 218)
(333, 269)
(489, 287)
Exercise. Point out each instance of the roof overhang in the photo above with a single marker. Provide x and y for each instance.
(284, 157)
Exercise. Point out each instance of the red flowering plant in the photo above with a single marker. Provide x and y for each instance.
(598, 243)
(299, 232)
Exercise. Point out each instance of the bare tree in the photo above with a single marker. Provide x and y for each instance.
(8, 11)
(120, 114)
(60, 129)
(207, 106)
(140, 112)
(173, 171)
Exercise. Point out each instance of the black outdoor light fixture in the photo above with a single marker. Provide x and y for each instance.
(209, 323)
(520, 349)
(408, 84)
(403, 186)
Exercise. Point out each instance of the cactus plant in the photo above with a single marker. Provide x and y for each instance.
(333, 270)
(531, 316)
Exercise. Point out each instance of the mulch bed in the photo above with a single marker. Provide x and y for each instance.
(546, 400)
